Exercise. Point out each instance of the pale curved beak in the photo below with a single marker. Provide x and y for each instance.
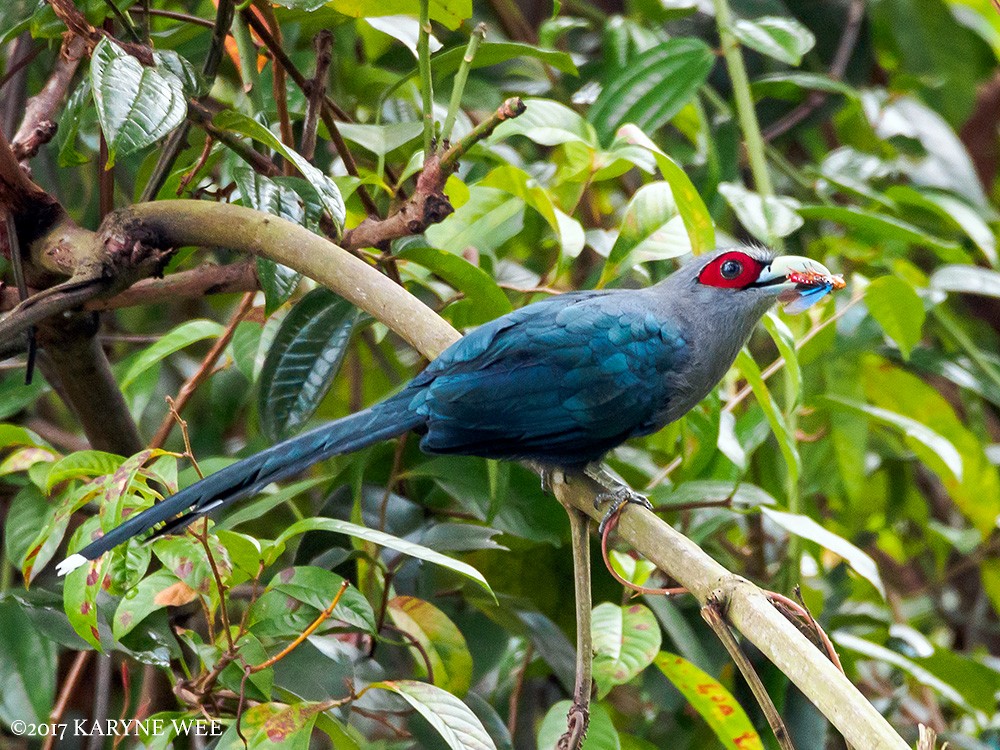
(798, 282)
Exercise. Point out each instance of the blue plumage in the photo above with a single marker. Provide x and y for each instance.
(561, 382)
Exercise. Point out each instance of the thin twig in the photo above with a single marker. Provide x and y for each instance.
(67, 692)
(279, 88)
(712, 613)
(304, 634)
(317, 93)
(202, 373)
(330, 108)
(458, 87)
(426, 85)
(223, 611)
(515, 693)
(578, 716)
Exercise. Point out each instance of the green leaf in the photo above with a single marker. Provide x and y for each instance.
(326, 190)
(454, 721)
(180, 337)
(710, 698)
(780, 37)
(766, 218)
(82, 586)
(75, 114)
(381, 139)
(651, 229)
(493, 53)
(385, 540)
(784, 339)
(742, 495)
(519, 183)
(483, 300)
(626, 639)
(318, 588)
(966, 280)
(28, 682)
(451, 13)
(442, 643)
(879, 226)
(153, 592)
(488, 219)
(653, 87)
(805, 527)
(259, 192)
(884, 655)
(136, 104)
(786, 440)
(303, 361)
(697, 219)
(117, 488)
(548, 123)
(898, 309)
(273, 726)
(82, 464)
(977, 492)
(936, 451)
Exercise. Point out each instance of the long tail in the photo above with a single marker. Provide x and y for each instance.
(247, 477)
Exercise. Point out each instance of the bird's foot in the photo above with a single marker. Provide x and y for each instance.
(615, 492)
(618, 498)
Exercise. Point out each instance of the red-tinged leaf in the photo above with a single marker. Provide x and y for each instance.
(710, 698)
(48, 538)
(82, 587)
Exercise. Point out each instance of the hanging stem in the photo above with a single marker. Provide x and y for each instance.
(745, 110)
(424, 65)
(460, 78)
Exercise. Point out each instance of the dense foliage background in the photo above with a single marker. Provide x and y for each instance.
(863, 469)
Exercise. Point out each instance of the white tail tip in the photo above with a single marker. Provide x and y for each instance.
(70, 564)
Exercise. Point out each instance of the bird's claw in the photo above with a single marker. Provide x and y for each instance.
(619, 498)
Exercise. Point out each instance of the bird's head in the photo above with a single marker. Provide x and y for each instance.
(755, 278)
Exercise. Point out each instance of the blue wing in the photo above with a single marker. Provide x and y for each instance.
(561, 381)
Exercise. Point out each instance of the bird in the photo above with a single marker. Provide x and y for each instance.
(559, 382)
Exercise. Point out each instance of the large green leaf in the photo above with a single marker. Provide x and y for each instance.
(601, 732)
(932, 448)
(879, 226)
(805, 527)
(898, 309)
(653, 87)
(303, 361)
(458, 726)
(775, 418)
(626, 639)
(259, 192)
(492, 53)
(483, 300)
(767, 218)
(966, 280)
(651, 229)
(384, 540)
(136, 104)
(27, 667)
(697, 219)
(180, 337)
(548, 123)
(780, 37)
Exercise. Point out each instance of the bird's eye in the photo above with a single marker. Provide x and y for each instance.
(731, 269)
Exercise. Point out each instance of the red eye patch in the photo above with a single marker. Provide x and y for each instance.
(733, 270)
